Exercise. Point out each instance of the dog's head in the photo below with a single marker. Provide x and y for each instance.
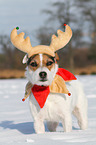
(41, 59)
(41, 69)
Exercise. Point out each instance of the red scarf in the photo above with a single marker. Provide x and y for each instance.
(41, 92)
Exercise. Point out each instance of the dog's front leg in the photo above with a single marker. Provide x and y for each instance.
(39, 126)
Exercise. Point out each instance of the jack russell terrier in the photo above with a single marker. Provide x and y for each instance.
(49, 86)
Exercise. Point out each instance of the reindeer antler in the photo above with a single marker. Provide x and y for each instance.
(62, 39)
(56, 43)
(19, 41)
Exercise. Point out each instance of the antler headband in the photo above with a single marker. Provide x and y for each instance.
(56, 42)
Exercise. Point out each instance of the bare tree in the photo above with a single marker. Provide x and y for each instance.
(66, 11)
(10, 57)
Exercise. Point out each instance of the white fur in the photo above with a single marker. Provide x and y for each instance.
(58, 107)
(41, 59)
(33, 76)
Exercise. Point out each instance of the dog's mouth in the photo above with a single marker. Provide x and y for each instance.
(43, 80)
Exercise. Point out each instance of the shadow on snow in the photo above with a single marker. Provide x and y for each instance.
(25, 128)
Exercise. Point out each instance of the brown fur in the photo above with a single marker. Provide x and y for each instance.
(45, 59)
(37, 60)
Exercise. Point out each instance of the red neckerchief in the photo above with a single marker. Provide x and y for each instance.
(41, 92)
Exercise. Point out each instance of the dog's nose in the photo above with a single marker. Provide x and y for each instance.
(43, 74)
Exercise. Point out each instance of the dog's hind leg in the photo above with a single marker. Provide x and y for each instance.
(81, 116)
(81, 107)
(52, 126)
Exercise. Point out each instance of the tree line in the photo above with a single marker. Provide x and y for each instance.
(80, 52)
(81, 16)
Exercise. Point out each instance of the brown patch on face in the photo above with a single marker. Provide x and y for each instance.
(35, 62)
(48, 61)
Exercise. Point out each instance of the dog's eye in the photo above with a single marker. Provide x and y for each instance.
(33, 64)
(49, 63)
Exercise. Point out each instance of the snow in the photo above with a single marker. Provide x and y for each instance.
(16, 123)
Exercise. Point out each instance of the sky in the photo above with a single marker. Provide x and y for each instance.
(23, 13)
(27, 14)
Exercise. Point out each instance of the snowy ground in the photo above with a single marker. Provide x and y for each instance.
(16, 124)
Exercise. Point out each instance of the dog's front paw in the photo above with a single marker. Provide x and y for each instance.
(39, 127)
(68, 129)
(39, 132)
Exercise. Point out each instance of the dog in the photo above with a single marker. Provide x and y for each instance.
(41, 71)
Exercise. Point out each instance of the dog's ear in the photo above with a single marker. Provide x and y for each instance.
(62, 39)
(57, 57)
(25, 59)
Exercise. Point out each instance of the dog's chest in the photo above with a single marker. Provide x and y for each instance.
(55, 106)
